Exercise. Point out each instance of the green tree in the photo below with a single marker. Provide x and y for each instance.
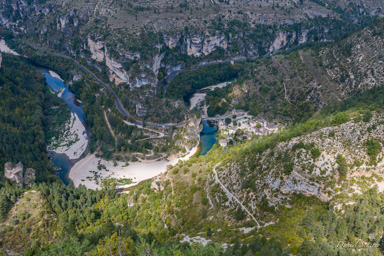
(239, 214)
(67, 246)
(288, 168)
(3, 207)
(114, 245)
(341, 118)
(367, 116)
(315, 152)
(373, 149)
(343, 166)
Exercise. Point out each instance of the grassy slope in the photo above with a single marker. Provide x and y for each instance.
(296, 84)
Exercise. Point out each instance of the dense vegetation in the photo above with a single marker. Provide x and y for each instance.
(94, 106)
(99, 222)
(360, 221)
(24, 116)
(218, 101)
(62, 220)
(185, 84)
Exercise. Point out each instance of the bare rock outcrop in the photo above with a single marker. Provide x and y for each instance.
(15, 173)
(97, 49)
(293, 167)
(29, 177)
(198, 45)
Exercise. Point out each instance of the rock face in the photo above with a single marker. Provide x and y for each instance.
(172, 41)
(211, 42)
(97, 50)
(290, 169)
(100, 53)
(157, 62)
(303, 37)
(62, 23)
(280, 41)
(29, 177)
(120, 74)
(14, 172)
(198, 45)
(156, 184)
(285, 39)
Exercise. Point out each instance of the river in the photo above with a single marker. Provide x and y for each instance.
(208, 134)
(208, 137)
(57, 85)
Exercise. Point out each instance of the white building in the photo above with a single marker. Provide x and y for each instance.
(223, 143)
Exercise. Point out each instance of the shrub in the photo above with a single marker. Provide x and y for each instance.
(343, 167)
(358, 119)
(341, 118)
(367, 117)
(315, 152)
(298, 146)
(239, 214)
(288, 168)
(373, 149)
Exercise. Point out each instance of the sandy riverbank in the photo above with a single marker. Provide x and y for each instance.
(74, 141)
(55, 75)
(83, 172)
(4, 48)
(199, 96)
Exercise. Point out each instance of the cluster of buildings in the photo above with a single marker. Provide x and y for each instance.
(248, 125)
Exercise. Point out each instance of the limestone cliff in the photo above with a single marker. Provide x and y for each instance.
(295, 167)
(97, 50)
(15, 173)
(200, 45)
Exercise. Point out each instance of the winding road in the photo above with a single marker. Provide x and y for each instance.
(237, 200)
(118, 103)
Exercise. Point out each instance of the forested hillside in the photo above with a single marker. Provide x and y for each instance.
(305, 177)
(25, 103)
(188, 202)
(311, 186)
(133, 46)
(76, 221)
(294, 85)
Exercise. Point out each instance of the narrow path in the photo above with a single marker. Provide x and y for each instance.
(206, 189)
(173, 193)
(285, 92)
(161, 134)
(109, 125)
(237, 200)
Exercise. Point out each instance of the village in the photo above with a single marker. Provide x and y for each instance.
(242, 126)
